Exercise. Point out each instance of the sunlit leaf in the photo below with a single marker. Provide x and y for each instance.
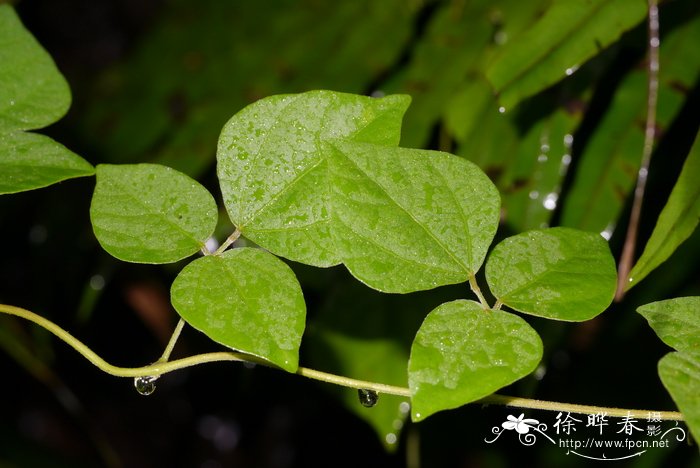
(33, 94)
(148, 213)
(463, 353)
(246, 299)
(676, 222)
(680, 374)
(558, 273)
(676, 322)
(569, 33)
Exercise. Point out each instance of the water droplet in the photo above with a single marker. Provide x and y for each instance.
(390, 438)
(368, 398)
(570, 71)
(145, 385)
(502, 110)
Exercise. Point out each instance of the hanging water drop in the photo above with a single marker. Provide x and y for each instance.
(368, 398)
(145, 385)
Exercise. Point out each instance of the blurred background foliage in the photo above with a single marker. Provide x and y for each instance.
(548, 97)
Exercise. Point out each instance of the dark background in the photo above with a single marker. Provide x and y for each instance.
(147, 85)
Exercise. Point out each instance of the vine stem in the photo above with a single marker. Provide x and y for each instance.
(627, 256)
(477, 290)
(173, 340)
(162, 367)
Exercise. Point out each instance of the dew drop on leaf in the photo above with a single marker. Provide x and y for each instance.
(368, 398)
(145, 385)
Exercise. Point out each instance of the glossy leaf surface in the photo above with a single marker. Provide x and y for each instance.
(676, 322)
(463, 353)
(246, 299)
(148, 213)
(676, 222)
(33, 94)
(557, 273)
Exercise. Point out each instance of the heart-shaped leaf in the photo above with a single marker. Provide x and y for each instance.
(330, 188)
(462, 353)
(148, 213)
(557, 273)
(33, 94)
(246, 299)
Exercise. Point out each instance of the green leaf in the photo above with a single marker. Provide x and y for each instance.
(557, 273)
(676, 322)
(33, 94)
(677, 220)
(680, 374)
(246, 299)
(408, 219)
(462, 353)
(321, 183)
(148, 213)
(569, 33)
(272, 165)
(30, 161)
(357, 333)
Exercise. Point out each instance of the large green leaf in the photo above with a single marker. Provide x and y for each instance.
(33, 94)
(272, 165)
(676, 222)
(569, 33)
(680, 374)
(148, 213)
(676, 322)
(607, 171)
(246, 299)
(320, 182)
(462, 353)
(410, 219)
(558, 273)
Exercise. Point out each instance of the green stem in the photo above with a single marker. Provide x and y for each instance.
(477, 290)
(160, 368)
(173, 340)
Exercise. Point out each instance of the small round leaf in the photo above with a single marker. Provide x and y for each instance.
(246, 299)
(463, 353)
(147, 213)
(557, 273)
